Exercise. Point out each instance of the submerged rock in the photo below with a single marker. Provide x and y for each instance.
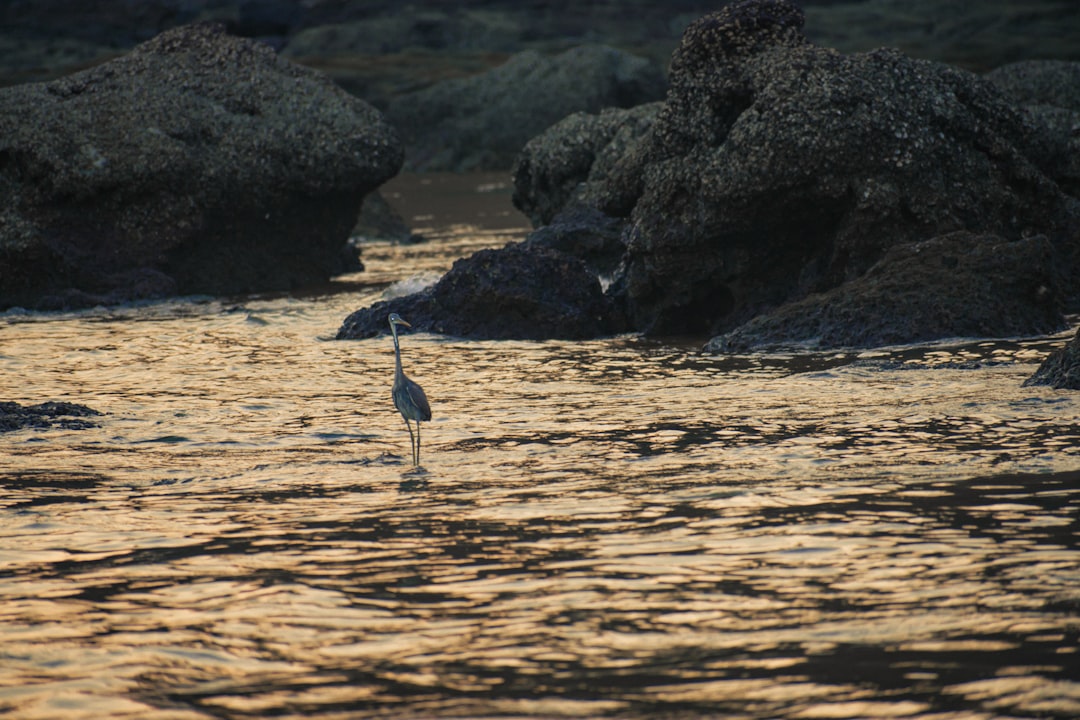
(482, 122)
(14, 416)
(198, 163)
(982, 286)
(1061, 369)
(776, 169)
(517, 292)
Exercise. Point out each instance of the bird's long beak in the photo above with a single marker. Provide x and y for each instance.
(402, 322)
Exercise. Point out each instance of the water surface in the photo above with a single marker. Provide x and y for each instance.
(620, 527)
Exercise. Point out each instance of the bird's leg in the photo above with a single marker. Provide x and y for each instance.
(412, 440)
(418, 442)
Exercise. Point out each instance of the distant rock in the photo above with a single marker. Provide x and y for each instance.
(516, 292)
(776, 169)
(198, 163)
(482, 122)
(957, 285)
(71, 416)
(380, 221)
(1061, 369)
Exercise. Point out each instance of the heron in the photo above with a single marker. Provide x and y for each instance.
(409, 398)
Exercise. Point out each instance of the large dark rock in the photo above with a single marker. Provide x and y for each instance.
(516, 292)
(1061, 369)
(957, 285)
(482, 122)
(776, 169)
(198, 163)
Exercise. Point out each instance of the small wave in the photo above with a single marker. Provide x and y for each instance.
(411, 285)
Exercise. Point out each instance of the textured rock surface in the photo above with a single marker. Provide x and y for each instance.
(585, 233)
(518, 292)
(776, 169)
(779, 168)
(577, 161)
(1049, 91)
(482, 122)
(1061, 369)
(1040, 82)
(957, 285)
(199, 162)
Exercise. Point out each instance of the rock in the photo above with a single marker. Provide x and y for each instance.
(517, 292)
(575, 161)
(1049, 91)
(776, 169)
(584, 233)
(222, 168)
(1040, 82)
(976, 36)
(379, 221)
(14, 416)
(956, 285)
(482, 122)
(1061, 369)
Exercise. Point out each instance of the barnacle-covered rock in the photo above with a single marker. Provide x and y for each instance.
(197, 163)
(776, 169)
(520, 291)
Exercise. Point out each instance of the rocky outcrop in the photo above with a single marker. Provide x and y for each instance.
(979, 286)
(777, 169)
(585, 233)
(70, 416)
(577, 161)
(516, 292)
(1039, 82)
(1049, 91)
(198, 163)
(1061, 369)
(482, 122)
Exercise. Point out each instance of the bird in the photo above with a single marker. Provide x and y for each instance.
(409, 398)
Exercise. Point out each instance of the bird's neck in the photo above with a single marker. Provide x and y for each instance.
(397, 352)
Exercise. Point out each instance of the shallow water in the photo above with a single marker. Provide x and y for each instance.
(620, 527)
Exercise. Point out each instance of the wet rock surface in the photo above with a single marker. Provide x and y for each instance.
(517, 292)
(584, 233)
(1061, 369)
(70, 416)
(959, 285)
(223, 168)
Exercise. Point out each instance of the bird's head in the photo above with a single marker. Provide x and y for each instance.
(396, 319)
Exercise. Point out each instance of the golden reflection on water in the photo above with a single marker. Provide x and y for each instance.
(617, 527)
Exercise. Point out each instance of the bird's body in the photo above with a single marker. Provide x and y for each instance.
(409, 398)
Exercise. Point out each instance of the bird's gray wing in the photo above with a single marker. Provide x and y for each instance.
(419, 399)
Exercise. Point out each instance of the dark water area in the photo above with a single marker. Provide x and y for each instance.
(613, 528)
